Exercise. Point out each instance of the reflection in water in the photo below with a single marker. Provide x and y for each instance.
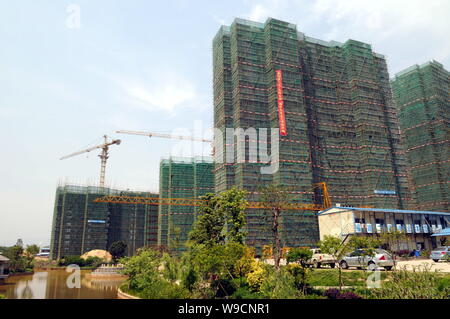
(52, 285)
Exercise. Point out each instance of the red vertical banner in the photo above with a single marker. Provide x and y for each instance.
(281, 116)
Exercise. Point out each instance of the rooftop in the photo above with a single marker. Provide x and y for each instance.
(444, 232)
(337, 210)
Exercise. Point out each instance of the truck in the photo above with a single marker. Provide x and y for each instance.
(318, 259)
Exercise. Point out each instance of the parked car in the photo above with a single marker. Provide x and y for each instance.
(440, 253)
(318, 259)
(360, 259)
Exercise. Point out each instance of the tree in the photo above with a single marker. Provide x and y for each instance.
(19, 243)
(17, 261)
(117, 250)
(232, 204)
(33, 250)
(221, 217)
(335, 247)
(208, 228)
(301, 270)
(274, 198)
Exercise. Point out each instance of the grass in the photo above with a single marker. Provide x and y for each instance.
(330, 277)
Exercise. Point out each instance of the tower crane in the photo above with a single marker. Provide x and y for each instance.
(178, 137)
(103, 155)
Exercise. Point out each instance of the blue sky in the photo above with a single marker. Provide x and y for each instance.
(147, 65)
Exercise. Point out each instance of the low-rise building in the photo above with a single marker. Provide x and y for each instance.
(4, 263)
(420, 227)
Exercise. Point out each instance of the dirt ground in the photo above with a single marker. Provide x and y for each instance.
(441, 266)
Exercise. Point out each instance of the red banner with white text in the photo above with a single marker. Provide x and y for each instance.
(281, 115)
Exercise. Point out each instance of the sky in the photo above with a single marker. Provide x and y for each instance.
(73, 71)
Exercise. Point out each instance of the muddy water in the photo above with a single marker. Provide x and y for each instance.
(52, 284)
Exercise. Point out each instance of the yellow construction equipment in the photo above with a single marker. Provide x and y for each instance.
(123, 199)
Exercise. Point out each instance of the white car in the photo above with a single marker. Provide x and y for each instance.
(440, 253)
(361, 259)
(318, 259)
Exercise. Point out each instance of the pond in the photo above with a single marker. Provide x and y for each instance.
(52, 284)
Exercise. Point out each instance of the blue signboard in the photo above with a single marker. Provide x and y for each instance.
(369, 228)
(384, 192)
(358, 227)
(96, 221)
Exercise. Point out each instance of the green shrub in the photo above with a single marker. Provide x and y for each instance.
(279, 285)
(71, 260)
(145, 277)
(416, 284)
(245, 293)
(301, 275)
(93, 261)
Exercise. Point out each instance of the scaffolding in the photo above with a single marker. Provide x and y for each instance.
(81, 225)
(342, 125)
(422, 97)
(181, 178)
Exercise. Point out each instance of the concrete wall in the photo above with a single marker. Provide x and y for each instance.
(336, 224)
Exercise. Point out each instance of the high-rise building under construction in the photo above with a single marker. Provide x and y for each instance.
(81, 225)
(337, 122)
(181, 177)
(422, 95)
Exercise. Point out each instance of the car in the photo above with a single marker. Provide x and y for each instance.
(361, 259)
(440, 253)
(318, 259)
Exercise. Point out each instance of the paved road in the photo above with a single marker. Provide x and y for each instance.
(441, 266)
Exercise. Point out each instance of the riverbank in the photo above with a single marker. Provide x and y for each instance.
(123, 295)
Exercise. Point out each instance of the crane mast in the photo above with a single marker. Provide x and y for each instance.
(104, 155)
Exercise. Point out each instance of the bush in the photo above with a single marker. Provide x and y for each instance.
(223, 287)
(279, 285)
(334, 293)
(416, 284)
(145, 277)
(301, 275)
(331, 293)
(93, 261)
(71, 260)
(256, 276)
(245, 293)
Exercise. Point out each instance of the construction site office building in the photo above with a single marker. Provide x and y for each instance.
(422, 95)
(181, 177)
(81, 225)
(340, 122)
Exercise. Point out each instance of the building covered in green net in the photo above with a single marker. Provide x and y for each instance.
(181, 177)
(80, 224)
(337, 122)
(422, 95)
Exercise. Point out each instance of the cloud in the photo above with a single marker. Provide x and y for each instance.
(160, 91)
(166, 96)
